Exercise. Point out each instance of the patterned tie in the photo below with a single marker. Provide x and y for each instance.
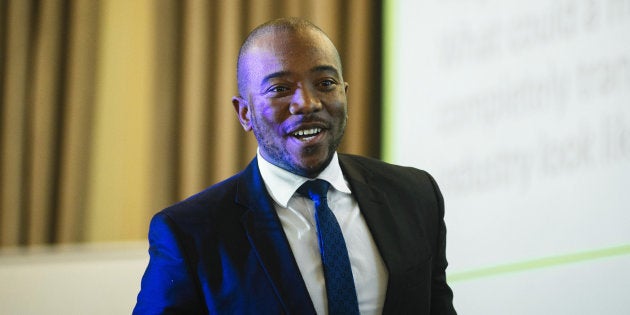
(340, 291)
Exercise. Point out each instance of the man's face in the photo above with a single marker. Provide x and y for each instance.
(295, 99)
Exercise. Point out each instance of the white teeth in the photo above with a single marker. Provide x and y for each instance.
(307, 132)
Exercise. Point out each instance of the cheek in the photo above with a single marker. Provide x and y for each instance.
(276, 109)
(271, 115)
(338, 108)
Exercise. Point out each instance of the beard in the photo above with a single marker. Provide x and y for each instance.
(273, 150)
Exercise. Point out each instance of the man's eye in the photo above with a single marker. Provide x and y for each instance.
(277, 89)
(327, 83)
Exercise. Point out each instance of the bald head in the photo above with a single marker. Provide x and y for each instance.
(282, 25)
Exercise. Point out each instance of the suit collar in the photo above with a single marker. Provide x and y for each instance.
(376, 209)
(282, 184)
(269, 242)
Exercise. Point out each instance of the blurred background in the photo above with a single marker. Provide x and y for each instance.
(114, 109)
(521, 111)
(111, 110)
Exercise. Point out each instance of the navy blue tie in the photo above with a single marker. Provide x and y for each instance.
(340, 291)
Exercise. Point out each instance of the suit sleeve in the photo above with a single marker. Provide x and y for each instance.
(441, 293)
(168, 286)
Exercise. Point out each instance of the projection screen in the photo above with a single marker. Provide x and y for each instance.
(521, 111)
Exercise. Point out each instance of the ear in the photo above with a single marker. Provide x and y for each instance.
(346, 87)
(242, 111)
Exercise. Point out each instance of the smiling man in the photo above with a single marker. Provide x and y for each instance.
(303, 229)
(292, 95)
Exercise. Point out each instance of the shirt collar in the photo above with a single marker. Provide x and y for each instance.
(282, 184)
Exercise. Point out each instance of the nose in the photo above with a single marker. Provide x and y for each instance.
(304, 102)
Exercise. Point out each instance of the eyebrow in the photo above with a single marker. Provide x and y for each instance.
(274, 75)
(322, 68)
(325, 68)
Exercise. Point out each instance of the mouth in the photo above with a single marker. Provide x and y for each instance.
(306, 134)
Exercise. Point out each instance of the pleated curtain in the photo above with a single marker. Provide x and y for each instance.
(111, 110)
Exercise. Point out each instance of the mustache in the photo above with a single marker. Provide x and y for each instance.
(306, 121)
(309, 118)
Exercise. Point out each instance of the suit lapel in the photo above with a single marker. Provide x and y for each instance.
(270, 244)
(375, 208)
(384, 227)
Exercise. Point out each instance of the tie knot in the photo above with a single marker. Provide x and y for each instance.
(315, 189)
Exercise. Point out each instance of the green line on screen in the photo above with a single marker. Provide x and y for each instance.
(539, 263)
(388, 77)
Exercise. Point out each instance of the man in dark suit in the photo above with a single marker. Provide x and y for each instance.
(250, 244)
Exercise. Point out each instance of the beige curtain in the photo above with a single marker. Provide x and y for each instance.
(111, 110)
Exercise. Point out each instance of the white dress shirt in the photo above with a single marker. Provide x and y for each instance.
(297, 215)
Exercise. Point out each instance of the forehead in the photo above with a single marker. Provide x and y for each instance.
(289, 51)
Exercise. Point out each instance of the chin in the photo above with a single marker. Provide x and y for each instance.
(313, 169)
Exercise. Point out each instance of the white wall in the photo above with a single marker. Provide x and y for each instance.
(95, 279)
(521, 110)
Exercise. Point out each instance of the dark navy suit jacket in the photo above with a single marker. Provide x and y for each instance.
(223, 251)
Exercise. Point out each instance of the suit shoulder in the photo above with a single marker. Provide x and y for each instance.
(202, 204)
(392, 177)
(383, 169)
